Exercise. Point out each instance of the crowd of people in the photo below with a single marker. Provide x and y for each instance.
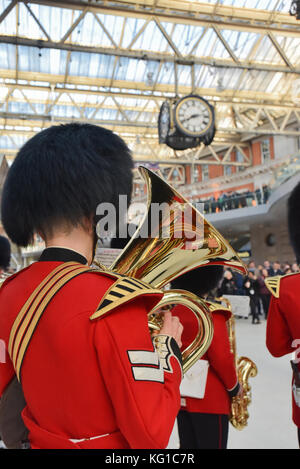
(254, 285)
(232, 200)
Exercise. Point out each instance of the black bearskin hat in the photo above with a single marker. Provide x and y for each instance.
(4, 252)
(200, 281)
(60, 176)
(294, 220)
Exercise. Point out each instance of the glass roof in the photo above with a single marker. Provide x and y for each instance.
(94, 61)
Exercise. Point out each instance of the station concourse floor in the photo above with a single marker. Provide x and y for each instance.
(270, 424)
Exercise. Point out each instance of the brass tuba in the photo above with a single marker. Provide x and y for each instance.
(172, 239)
(245, 369)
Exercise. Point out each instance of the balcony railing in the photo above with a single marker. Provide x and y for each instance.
(232, 200)
(235, 200)
(285, 172)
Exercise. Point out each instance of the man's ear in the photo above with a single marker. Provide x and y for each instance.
(88, 224)
(42, 236)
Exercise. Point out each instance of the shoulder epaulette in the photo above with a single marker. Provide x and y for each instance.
(218, 307)
(273, 285)
(122, 291)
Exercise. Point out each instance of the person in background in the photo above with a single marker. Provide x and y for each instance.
(269, 268)
(283, 323)
(264, 293)
(239, 283)
(204, 423)
(235, 200)
(228, 285)
(251, 287)
(277, 268)
(266, 193)
(295, 267)
(252, 268)
(258, 195)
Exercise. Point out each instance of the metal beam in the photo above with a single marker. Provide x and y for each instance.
(38, 22)
(230, 97)
(7, 10)
(250, 127)
(280, 51)
(188, 12)
(149, 55)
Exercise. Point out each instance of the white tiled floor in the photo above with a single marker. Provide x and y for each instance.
(270, 425)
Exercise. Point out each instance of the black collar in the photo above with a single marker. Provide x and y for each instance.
(56, 254)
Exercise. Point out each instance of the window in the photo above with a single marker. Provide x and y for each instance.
(265, 151)
(239, 159)
(205, 172)
(196, 174)
(227, 170)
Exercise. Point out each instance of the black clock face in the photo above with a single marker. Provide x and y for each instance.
(164, 122)
(193, 115)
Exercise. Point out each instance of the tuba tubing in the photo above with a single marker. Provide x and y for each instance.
(199, 308)
(165, 247)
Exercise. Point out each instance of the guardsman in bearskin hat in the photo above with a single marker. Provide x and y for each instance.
(283, 323)
(77, 338)
(203, 421)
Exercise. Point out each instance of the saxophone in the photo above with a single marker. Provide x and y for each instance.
(245, 369)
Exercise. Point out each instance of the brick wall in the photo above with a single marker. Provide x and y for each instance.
(281, 250)
(256, 153)
(215, 171)
(272, 150)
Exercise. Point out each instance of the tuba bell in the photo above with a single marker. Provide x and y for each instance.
(172, 239)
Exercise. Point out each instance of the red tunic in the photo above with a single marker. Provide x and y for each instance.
(283, 325)
(222, 375)
(99, 382)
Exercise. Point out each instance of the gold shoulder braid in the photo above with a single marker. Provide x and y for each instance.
(122, 291)
(273, 285)
(215, 306)
(29, 316)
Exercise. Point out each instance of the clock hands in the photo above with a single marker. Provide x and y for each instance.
(191, 117)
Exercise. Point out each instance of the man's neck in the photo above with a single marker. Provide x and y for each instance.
(77, 240)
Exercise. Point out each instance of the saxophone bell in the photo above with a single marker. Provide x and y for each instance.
(245, 369)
